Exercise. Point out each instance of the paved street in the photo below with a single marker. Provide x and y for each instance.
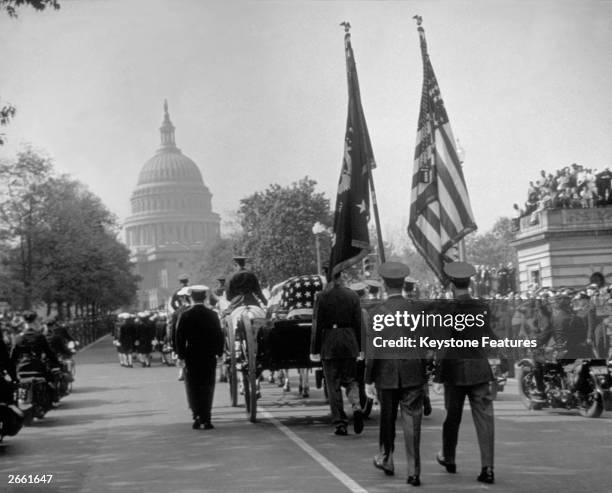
(129, 430)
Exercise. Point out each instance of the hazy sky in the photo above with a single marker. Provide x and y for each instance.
(257, 91)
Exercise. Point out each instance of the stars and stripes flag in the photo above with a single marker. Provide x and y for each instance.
(350, 239)
(440, 210)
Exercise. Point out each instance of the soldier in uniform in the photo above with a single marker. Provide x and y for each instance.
(243, 287)
(183, 298)
(175, 301)
(398, 382)
(199, 341)
(336, 340)
(466, 377)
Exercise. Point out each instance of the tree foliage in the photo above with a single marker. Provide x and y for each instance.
(11, 7)
(492, 248)
(60, 241)
(277, 230)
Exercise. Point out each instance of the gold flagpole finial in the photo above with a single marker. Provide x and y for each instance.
(347, 26)
(418, 19)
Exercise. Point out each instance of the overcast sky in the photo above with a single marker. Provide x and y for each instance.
(257, 91)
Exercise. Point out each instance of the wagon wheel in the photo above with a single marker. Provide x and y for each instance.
(232, 376)
(250, 373)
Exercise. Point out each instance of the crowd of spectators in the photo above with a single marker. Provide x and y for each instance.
(572, 187)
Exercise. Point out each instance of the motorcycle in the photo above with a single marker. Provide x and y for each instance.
(499, 368)
(11, 417)
(35, 396)
(585, 385)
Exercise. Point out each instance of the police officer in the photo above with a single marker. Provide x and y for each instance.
(336, 340)
(199, 341)
(399, 382)
(466, 377)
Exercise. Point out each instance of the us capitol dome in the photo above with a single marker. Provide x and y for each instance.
(172, 223)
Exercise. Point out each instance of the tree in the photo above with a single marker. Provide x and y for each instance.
(61, 242)
(492, 248)
(7, 110)
(277, 230)
(11, 6)
(217, 261)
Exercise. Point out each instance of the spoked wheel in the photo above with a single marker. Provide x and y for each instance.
(250, 372)
(591, 406)
(232, 374)
(525, 378)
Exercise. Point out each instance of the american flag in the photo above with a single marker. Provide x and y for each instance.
(440, 211)
(300, 292)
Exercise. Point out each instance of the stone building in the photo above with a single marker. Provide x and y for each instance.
(172, 222)
(563, 247)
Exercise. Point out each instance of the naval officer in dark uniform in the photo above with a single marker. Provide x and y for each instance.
(336, 341)
(199, 341)
(398, 382)
(469, 377)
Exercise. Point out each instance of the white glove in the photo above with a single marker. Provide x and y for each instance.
(360, 356)
(370, 391)
(437, 388)
(315, 358)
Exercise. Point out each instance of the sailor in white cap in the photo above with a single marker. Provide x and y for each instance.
(199, 341)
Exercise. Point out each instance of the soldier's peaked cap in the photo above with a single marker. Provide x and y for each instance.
(459, 270)
(198, 288)
(183, 277)
(393, 270)
(373, 283)
(239, 258)
(410, 280)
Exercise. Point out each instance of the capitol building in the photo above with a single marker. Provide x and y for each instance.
(172, 223)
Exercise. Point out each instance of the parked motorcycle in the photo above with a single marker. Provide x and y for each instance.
(499, 368)
(11, 417)
(585, 385)
(35, 396)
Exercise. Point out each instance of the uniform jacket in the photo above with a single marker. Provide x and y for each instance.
(29, 350)
(337, 327)
(198, 335)
(245, 283)
(452, 365)
(395, 373)
(5, 361)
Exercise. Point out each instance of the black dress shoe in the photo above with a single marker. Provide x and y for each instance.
(426, 406)
(196, 424)
(341, 431)
(486, 475)
(358, 421)
(384, 463)
(414, 480)
(450, 466)
(208, 426)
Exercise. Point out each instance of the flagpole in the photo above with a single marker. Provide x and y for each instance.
(381, 248)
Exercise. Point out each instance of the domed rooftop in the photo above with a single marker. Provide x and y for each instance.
(169, 164)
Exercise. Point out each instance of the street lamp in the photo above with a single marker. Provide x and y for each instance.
(317, 229)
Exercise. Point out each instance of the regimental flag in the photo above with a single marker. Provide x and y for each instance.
(440, 211)
(350, 240)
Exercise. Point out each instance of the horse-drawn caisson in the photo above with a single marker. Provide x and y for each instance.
(276, 339)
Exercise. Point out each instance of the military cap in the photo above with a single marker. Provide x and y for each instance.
(221, 279)
(197, 288)
(410, 280)
(459, 270)
(124, 315)
(358, 287)
(239, 258)
(184, 291)
(393, 270)
(373, 285)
